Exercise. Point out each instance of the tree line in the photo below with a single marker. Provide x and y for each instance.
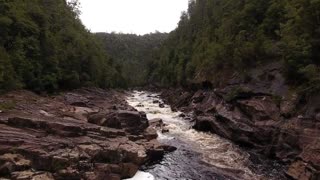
(219, 36)
(133, 54)
(45, 47)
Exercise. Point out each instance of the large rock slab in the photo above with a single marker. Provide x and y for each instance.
(269, 121)
(132, 121)
(84, 134)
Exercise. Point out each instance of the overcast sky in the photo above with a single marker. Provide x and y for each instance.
(132, 16)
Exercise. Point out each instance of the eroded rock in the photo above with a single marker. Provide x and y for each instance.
(264, 120)
(51, 137)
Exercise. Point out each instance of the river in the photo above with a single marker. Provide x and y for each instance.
(199, 156)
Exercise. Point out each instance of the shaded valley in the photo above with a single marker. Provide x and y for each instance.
(231, 93)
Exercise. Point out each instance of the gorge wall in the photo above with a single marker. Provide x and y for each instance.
(262, 115)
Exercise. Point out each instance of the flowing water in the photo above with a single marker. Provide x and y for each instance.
(199, 156)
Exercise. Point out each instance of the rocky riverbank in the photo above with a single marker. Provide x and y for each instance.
(262, 114)
(83, 134)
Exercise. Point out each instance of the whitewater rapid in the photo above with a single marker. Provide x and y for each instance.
(199, 156)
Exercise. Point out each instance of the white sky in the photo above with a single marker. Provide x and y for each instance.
(132, 16)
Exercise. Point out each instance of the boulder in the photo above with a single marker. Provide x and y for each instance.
(13, 162)
(75, 99)
(128, 170)
(150, 133)
(156, 102)
(131, 121)
(157, 122)
(299, 171)
(260, 108)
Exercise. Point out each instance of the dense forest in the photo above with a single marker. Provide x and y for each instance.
(45, 47)
(217, 37)
(133, 54)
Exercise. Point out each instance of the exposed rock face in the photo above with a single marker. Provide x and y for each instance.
(261, 114)
(51, 138)
(132, 121)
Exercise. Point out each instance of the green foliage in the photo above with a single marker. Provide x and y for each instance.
(7, 74)
(132, 54)
(45, 47)
(216, 36)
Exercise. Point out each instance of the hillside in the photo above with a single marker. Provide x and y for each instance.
(45, 47)
(224, 38)
(249, 72)
(134, 54)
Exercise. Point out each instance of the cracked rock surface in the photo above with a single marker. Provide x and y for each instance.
(83, 134)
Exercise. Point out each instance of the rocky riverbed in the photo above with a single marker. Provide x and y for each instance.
(261, 114)
(96, 134)
(199, 155)
(83, 134)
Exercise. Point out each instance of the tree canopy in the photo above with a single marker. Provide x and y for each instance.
(133, 54)
(45, 47)
(216, 36)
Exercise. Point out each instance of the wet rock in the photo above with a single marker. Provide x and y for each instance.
(161, 105)
(156, 102)
(156, 154)
(168, 148)
(128, 170)
(140, 105)
(150, 133)
(165, 130)
(264, 123)
(156, 122)
(131, 121)
(177, 98)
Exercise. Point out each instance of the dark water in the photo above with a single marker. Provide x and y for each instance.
(199, 156)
